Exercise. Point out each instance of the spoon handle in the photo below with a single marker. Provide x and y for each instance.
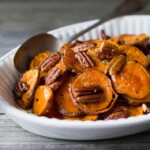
(125, 8)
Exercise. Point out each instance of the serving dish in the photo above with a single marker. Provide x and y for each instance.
(66, 129)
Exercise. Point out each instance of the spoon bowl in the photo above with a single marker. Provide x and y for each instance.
(36, 44)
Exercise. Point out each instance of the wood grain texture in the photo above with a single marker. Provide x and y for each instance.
(20, 19)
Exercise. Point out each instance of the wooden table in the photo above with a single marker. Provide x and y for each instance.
(21, 19)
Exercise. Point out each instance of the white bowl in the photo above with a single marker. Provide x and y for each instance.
(65, 129)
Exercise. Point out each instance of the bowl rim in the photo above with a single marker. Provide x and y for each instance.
(23, 115)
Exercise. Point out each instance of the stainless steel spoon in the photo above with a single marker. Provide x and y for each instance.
(44, 41)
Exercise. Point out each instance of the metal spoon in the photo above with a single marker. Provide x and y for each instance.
(44, 41)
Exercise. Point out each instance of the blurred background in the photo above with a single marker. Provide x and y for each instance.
(20, 19)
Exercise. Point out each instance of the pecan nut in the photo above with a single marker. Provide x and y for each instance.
(104, 36)
(50, 61)
(107, 51)
(83, 47)
(20, 88)
(53, 75)
(55, 85)
(117, 113)
(84, 60)
(87, 94)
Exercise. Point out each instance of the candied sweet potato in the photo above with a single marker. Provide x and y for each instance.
(64, 103)
(133, 80)
(31, 79)
(133, 53)
(36, 61)
(133, 39)
(115, 65)
(70, 61)
(99, 101)
(84, 118)
(135, 101)
(134, 111)
(43, 100)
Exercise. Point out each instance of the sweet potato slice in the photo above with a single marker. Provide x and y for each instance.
(114, 40)
(36, 61)
(102, 101)
(134, 111)
(101, 65)
(133, 39)
(64, 103)
(43, 100)
(115, 65)
(133, 80)
(70, 61)
(132, 101)
(31, 79)
(84, 118)
(133, 53)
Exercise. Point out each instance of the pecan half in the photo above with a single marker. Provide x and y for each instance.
(55, 85)
(117, 113)
(107, 51)
(87, 94)
(84, 59)
(83, 47)
(52, 75)
(103, 35)
(50, 61)
(20, 88)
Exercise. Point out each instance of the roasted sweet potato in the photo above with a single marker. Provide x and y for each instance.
(36, 61)
(86, 86)
(134, 101)
(133, 80)
(70, 61)
(64, 103)
(133, 39)
(133, 53)
(134, 111)
(115, 65)
(26, 87)
(43, 100)
(101, 65)
(114, 39)
(84, 118)
(148, 59)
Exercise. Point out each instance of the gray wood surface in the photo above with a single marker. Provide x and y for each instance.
(20, 19)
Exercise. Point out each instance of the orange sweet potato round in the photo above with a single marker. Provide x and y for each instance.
(36, 61)
(134, 111)
(133, 80)
(70, 61)
(84, 118)
(132, 101)
(31, 79)
(133, 53)
(43, 100)
(133, 39)
(64, 103)
(92, 92)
